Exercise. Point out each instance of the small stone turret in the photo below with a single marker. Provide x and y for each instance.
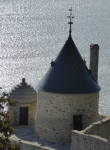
(24, 111)
(94, 57)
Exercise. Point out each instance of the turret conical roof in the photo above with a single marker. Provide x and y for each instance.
(68, 74)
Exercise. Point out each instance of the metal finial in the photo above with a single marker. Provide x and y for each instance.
(71, 17)
(52, 63)
(23, 80)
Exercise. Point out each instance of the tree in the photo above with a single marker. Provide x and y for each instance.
(5, 124)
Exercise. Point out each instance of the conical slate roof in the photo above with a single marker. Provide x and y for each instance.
(23, 93)
(68, 74)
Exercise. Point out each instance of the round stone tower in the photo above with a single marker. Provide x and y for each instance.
(67, 96)
(25, 110)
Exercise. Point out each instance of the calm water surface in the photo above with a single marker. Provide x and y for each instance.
(32, 32)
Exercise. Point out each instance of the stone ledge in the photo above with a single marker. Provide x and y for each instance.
(28, 141)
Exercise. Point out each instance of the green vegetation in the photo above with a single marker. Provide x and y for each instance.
(6, 129)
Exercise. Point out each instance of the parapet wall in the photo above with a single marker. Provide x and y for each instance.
(101, 116)
(95, 137)
(29, 146)
(81, 141)
(100, 128)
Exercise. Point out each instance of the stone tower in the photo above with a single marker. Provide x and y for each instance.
(94, 55)
(68, 96)
(25, 110)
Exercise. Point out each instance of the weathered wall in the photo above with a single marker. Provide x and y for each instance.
(94, 137)
(26, 96)
(81, 141)
(15, 112)
(30, 146)
(54, 120)
(100, 128)
(108, 144)
(101, 116)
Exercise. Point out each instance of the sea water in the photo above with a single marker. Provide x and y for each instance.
(32, 32)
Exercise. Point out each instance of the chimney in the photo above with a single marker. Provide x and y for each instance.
(94, 57)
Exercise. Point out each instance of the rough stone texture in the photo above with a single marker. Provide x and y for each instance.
(94, 137)
(100, 128)
(54, 119)
(26, 96)
(101, 116)
(108, 144)
(15, 112)
(94, 57)
(81, 141)
(28, 141)
(30, 146)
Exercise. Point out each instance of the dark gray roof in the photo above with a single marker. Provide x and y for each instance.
(68, 74)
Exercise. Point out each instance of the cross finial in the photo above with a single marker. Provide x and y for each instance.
(71, 17)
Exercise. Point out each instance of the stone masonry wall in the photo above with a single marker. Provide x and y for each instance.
(100, 128)
(15, 112)
(54, 119)
(30, 146)
(101, 116)
(81, 141)
(94, 137)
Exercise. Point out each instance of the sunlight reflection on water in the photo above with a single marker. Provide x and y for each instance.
(33, 32)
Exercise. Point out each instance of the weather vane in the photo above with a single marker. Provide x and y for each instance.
(71, 17)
